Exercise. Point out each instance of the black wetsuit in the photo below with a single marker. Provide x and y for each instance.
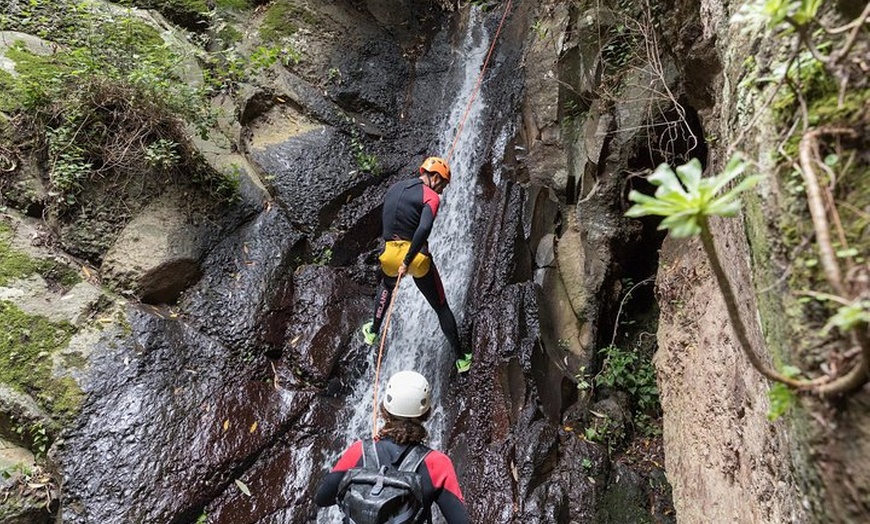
(410, 207)
(440, 484)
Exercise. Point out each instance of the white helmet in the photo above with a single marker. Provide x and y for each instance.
(407, 395)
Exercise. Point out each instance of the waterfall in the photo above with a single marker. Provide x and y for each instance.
(415, 340)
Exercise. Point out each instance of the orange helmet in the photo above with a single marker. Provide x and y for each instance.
(433, 164)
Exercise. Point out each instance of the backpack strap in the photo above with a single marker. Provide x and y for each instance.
(370, 454)
(414, 458)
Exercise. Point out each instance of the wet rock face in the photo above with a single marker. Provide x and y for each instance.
(327, 312)
(242, 379)
(244, 296)
(168, 427)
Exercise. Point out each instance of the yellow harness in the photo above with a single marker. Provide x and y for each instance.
(393, 255)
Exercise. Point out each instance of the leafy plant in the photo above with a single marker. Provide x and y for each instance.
(109, 106)
(777, 12)
(781, 397)
(687, 201)
(365, 162)
(581, 378)
(627, 370)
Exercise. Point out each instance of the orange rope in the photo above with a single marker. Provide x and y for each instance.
(380, 356)
(507, 9)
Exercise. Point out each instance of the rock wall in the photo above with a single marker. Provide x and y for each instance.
(589, 125)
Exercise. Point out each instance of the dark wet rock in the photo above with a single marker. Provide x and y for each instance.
(328, 310)
(541, 115)
(175, 420)
(631, 497)
(573, 487)
(313, 175)
(244, 297)
(283, 481)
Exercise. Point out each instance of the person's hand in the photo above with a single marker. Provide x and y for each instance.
(403, 269)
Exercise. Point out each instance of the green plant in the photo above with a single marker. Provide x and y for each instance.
(365, 162)
(109, 104)
(37, 435)
(539, 29)
(325, 257)
(629, 371)
(781, 397)
(581, 379)
(687, 201)
(604, 431)
(777, 12)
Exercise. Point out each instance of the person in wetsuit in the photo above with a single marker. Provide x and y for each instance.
(405, 407)
(410, 207)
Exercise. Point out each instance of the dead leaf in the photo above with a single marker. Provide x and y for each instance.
(254, 426)
(243, 488)
(226, 424)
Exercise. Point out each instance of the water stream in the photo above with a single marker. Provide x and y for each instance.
(414, 340)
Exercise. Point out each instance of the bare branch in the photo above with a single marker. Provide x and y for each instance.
(808, 148)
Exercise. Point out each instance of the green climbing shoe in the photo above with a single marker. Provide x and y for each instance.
(369, 337)
(464, 363)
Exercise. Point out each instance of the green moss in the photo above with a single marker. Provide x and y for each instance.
(7, 100)
(230, 35)
(809, 75)
(827, 108)
(283, 18)
(26, 347)
(770, 303)
(235, 4)
(15, 264)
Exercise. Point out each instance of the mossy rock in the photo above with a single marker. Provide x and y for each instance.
(14, 264)
(285, 17)
(26, 348)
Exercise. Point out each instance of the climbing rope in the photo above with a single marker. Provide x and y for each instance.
(507, 9)
(380, 356)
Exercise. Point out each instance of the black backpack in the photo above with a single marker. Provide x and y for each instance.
(376, 494)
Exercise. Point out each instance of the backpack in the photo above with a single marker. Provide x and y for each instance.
(376, 494)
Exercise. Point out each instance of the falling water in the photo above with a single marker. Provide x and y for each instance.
(415, 340)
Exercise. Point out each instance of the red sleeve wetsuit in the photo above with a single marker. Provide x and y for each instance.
(440, 484)
(410, 207)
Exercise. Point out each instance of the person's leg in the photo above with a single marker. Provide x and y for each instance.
(382, 300)
(432, 288)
